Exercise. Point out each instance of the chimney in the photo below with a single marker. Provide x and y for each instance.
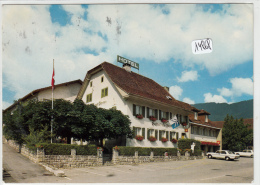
(127, 67)
(166, 88)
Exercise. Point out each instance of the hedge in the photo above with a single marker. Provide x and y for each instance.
(145, 151)
(65, 149)
(185, 145)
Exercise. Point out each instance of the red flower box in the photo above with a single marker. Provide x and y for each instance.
(184, 124)
(139, 138)
(164, 139)
(152, 138)
(152, 118)
(164, 120)
(139, 116)
(174, 140)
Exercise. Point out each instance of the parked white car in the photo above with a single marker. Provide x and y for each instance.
(223, 154)
(246, 153)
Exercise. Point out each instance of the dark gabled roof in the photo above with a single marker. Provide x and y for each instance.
(39, 90)
(135, 84)
(201, 120)
(203, 112)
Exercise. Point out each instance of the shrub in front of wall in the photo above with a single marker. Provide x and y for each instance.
(184, 144)
(65, 149)
(197, 152)
(145, 151)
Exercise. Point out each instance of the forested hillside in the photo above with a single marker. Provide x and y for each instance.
(218, 111)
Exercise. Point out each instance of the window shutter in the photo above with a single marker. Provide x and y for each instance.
(143, 132)
(177, 135)
(102, 93)
(156, 113)
(148, 112)
(134, 109)
(106, 91)
(143, 112)
(167, 115)
(181, 118)
(170, 115)
(167, 135)
(148, 133)
(170, 135)
(160, 135)
(156, 134)
(160, 114)
(134, 130)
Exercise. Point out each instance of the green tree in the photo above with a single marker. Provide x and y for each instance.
(235, 135)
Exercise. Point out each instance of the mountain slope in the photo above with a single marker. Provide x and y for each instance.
(218, 111)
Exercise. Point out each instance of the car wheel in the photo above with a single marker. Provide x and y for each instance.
(251, 156)
(210, 156)
(227, 158)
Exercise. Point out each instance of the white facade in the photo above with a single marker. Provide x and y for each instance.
(116, 98)
(66, 92)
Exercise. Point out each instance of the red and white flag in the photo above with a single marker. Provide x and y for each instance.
(53, 80)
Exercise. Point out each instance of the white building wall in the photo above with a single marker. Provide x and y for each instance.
(114, 99)
(66, 92)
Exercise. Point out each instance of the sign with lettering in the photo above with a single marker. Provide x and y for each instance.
(202, 46)
(127, 61)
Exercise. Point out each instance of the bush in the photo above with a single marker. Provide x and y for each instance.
(145, 151)
(65, 149)
(184, 144)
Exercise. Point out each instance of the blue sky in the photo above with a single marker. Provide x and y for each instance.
(158, 37)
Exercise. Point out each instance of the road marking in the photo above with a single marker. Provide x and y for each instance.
(92, 172)
(213, 177)
(68, 178)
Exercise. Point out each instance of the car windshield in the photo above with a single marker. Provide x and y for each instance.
(230, 152)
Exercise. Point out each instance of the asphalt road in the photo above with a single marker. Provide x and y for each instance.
(22, 170)
(19, 169)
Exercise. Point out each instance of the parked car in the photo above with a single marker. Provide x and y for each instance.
(223, 154)
(246, 153)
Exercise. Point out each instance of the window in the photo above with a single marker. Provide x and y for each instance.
(183, 135)
(192, 130)
(102, 79)
(152, 132)
(91, 84)
(198, 130)
(163, 114)
(89, 97)
(139, 131)
(162, 134)
(104, 92)
(206, 132)
(206, 118)
(172, 135)
(152, 112)
(195, 115)
(137, 109)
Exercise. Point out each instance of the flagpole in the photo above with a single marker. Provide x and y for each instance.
(52, 104)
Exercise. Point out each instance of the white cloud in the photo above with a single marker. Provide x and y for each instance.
(225, 92)
(214, 98)
(188, 76)
(239, 87)
(188, 100)
(242, 86)
(31, 41)
(176, 91)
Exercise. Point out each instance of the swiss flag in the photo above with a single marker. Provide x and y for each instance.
(53, 80)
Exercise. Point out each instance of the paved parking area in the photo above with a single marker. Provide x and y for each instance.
(19, 169)
(196, 171)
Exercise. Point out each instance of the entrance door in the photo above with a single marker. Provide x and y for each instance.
(183, 135)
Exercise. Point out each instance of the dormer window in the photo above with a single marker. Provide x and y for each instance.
(195, 115)
(207, 118)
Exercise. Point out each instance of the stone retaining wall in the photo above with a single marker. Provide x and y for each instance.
(128, 160)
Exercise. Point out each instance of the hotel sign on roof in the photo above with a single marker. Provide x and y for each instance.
(127, 61)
